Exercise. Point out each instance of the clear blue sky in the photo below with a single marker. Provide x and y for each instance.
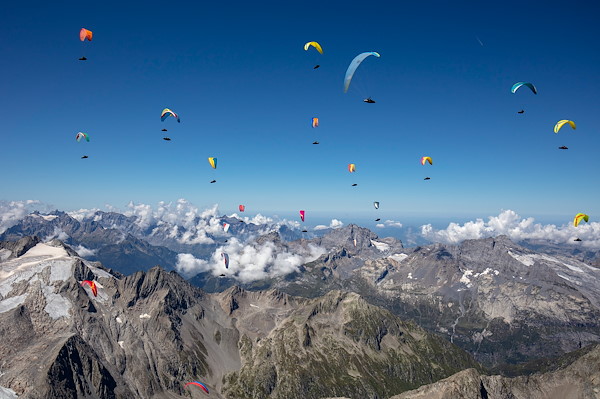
(245, 89)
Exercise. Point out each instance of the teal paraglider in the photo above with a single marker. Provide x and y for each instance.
(516, 86)
(353, 65)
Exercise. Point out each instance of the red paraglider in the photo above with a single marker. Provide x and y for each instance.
(92, 286)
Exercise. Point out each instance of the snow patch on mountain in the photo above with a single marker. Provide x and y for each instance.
(382, 246)
(11, 303)
(527, 260)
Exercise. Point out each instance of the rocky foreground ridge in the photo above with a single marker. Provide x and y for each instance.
(146, 335)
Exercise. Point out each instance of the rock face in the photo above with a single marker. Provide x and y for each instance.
(336, 344)
(503, 303)
(581, 379)
(147, 334)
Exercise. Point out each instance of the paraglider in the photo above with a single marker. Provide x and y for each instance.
(92, 286)
(351, 167)
(242, 208)
(353, 65)
(377, 220)
(577, 239)
(166, 113)
(369, 100)
(517, 85)
(213, 162)
(84, 35)
(426, 159)
(315, 122)
(163, 130)
(354, 185)
(82, 135)
(225, 227)
(166, 139)
(225, 259)
(376, 204)
(305, 231)
(355, 243)
(315, 142)
(315, 45)
(521, 111)
(84, 157)
(579, 217)
(427, 178)
(564, 147)
(563, 122)
(198, 384)
(302, 213)
(213, 181)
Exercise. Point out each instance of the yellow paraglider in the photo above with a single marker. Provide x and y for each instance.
(315, 45)
(579, 217)
(560, 124)
(213, 162)
(426, 159)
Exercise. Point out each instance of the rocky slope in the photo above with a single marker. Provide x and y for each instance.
(147, 334)
(502, 302)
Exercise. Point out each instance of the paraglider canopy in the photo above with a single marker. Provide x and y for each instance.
(564, 147)
(82, 135)
(225, 259)
(198, 384)
(315, 45)
(92, 285)
(351, 167)
(376, 204)
(353, 65)
(563, 122)
(166, 113)
(213, 162)
(166, 138)
(579, 217)
(517, 85)
(242, 208)
(85, 34)
(426, 159)
(369, 100)
(315, 122)
(302, 213)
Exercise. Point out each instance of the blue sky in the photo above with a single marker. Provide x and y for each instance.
(246, 91)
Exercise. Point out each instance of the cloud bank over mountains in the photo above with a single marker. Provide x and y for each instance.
(186, 224)
(509, 223)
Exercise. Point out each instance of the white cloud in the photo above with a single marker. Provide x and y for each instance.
(389, 223)
(12, 212)
(249, 262)
(335, 224)
(516, 228)
(81, 214)
(84, 252)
